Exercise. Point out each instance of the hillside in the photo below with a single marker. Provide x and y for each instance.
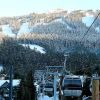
(58, 29)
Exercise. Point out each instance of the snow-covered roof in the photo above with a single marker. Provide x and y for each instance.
(2, 82)
(16, 82)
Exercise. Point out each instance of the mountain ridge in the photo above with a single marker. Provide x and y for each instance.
(48, 28)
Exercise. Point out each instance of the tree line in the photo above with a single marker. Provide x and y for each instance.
(25, 61)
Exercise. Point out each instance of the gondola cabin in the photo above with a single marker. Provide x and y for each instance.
(72, 86)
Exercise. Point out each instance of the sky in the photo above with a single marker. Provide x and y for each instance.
(23, 7)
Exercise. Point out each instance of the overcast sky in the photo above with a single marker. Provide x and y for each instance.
(22, 7)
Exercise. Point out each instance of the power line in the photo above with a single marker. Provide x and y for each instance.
(88, 31)
(91, 26)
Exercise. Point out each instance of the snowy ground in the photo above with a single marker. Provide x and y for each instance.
(45, 97)
(35, 47)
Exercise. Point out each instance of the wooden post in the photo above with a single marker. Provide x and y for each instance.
(95, 89)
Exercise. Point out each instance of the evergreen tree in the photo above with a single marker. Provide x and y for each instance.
(86, 88)
(27, 89)
(31, 87)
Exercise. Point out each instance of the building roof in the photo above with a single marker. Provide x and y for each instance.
(16, 82)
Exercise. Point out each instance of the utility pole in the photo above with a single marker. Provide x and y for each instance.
(95, 88)
(66, 57)
(43, 84)
(66, 54)
(55, 83)
(10, 83)
(65, 62)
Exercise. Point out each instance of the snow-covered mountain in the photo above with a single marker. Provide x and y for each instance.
(55, 21)
(58, 26)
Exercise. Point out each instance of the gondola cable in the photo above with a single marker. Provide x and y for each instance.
(90, 28)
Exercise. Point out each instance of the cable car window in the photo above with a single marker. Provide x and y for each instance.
(72, 81)
(49, 86)
(72, 84)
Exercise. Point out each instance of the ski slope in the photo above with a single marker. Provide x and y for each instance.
(35, 47)
(24, 29)
(88, 20)
(6, 29)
